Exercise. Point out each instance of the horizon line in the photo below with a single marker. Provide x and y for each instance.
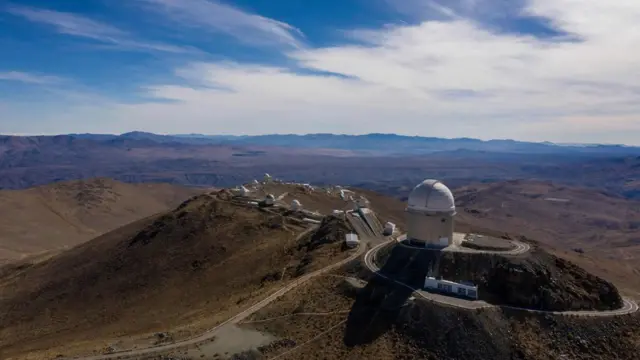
(551, 143)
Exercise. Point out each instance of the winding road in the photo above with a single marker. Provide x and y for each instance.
(629, 306)
(211, 333)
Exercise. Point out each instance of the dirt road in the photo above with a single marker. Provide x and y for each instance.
(208, 335)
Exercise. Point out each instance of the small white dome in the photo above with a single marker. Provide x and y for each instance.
(432, 196)
(271, 197)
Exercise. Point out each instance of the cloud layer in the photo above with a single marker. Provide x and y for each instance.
(447, 75)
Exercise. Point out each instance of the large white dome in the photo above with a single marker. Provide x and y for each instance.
(431, 196)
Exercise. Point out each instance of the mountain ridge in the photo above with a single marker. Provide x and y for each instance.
(403, 144)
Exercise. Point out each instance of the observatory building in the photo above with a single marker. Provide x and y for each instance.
(269, 200)
(244, 191)
(430, 213)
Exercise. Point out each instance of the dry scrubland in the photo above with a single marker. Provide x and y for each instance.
(187, 269)
(53, 217)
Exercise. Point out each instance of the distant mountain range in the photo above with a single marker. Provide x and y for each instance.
(378, 144)
(383, 162)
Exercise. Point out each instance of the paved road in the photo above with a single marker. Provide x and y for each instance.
(208, 335)
(629, 306)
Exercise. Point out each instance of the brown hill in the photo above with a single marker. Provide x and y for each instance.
(186, 270)
(535, 280)
(64, 214)
(333, 319)
(182, 271)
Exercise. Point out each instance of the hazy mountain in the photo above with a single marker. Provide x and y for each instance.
(387, 144)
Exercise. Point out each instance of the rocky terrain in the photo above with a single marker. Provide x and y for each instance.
(377, 322)
(171, 276)
(41, 220)
(536, 280)
(181, 271)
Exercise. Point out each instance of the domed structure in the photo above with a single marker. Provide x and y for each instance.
(295, 205)
(269, 199)
(430, 211)
(432, 196)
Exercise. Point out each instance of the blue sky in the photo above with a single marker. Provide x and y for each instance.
(556, 70)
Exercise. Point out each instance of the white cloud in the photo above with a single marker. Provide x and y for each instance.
(80, 26)
(69, 23)
(437, 78)
(29, 78)
(215, 16)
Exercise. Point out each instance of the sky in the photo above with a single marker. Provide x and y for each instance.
(534, 70)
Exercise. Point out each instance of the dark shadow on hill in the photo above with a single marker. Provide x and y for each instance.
(381, 302)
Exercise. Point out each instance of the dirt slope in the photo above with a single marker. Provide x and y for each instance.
(182, 271)
(64, 214)
(327, 319)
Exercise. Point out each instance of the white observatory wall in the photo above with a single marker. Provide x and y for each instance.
(430, 228)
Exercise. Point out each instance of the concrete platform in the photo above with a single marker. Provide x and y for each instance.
(514, 247)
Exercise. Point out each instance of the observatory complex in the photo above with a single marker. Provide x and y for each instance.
(430, 212)
(430, 217)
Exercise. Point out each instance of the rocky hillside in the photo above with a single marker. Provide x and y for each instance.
(181, 271)
(537, 280)
(376, 322)
(64, 214)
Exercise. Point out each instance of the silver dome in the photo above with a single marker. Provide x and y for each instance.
(431, 196)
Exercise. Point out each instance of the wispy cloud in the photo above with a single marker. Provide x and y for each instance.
(454, 75)
(217, 17)
(70, 24)
(29, 78)
(80, 26)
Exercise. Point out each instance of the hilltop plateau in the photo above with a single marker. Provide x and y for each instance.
(44, 219)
